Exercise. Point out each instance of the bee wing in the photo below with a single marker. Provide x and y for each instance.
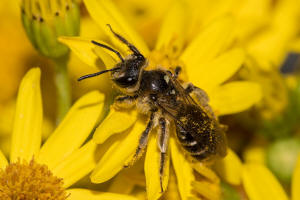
(170, 110)
(221, 143)
(186, 98)
(201, 97)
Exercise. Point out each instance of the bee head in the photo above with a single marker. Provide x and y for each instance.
(126, 74)
(129, 72)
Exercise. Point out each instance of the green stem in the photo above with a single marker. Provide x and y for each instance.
(63, 88)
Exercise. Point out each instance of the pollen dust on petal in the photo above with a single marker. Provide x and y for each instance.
(28, 181)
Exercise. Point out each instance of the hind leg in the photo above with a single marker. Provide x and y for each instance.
(163, 140)
(143, 141)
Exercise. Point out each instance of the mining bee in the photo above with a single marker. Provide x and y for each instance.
(160, 95)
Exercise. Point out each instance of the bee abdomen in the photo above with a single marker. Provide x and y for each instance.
(197, 149)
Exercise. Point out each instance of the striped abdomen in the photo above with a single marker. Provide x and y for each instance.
(200, 134)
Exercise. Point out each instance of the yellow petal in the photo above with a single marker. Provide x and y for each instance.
(255, 154)
(261, 184)
(206, 172)
(114, 123)
(89, 52)
(133, 176)
(296, 181)
(73, 130)
(173, 28)
(80, 194)
(3, 161)
(120, 151)
(152, 168)
(118, 185)
(235, 97)
(208, 190)
(230, 168)
(183, 170)
(271, 43)
(5, 144)
(208, 75)
(172, 191)
(27, 129)
(295, 46)
(104, 12)
(208, 44)
(109, 58)
(78, 164)
(83, 48)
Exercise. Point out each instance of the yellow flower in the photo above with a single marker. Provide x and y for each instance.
(265, 29)
(208, 62)
(260, 183)
(267, 46)
(46, 172)
(255, 179)
(253, 176)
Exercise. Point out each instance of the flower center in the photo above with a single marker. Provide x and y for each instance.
(27, 181)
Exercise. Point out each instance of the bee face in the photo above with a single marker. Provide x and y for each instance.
(129, 71)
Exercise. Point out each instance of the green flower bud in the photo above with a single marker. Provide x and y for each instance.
(282, 157)
(44, 21)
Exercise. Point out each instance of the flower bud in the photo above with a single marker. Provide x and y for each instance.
(282, 157)
(44, 21)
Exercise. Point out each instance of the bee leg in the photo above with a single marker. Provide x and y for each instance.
(163, 139)
(143, 141)
(201, 97)
(125, 101)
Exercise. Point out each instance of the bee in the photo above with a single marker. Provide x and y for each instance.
(160, 95)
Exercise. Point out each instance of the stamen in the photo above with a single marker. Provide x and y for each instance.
(27, 181)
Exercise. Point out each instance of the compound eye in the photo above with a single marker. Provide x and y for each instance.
(129, 74)
(126, 81)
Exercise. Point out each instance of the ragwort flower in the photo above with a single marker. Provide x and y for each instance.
(260, 183)
(264, 28)
(46, 172)
(208, 62)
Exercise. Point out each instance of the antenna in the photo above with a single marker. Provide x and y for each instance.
(130, 46)
(109, 48)
(97, 73)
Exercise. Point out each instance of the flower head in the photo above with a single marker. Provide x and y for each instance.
(45, 172)
(208, 61)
